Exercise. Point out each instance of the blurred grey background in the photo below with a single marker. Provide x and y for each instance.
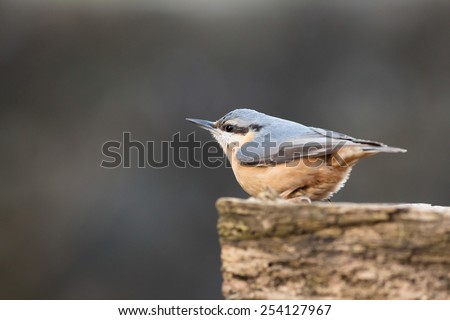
(74, 74)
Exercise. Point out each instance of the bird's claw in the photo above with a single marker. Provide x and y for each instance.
(300, 199)
(269, 194)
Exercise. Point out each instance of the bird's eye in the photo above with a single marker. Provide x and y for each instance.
(229, 128)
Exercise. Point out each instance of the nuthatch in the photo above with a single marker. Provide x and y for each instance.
(294, 161)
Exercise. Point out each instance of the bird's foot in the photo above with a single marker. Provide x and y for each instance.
(301, 199)
(269, 194)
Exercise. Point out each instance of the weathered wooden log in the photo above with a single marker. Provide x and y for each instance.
(279, 250)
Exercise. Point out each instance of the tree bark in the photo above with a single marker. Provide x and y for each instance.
(279, 250)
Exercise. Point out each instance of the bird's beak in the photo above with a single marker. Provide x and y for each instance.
(205, 124)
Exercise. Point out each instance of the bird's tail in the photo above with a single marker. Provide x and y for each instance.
(382, 148)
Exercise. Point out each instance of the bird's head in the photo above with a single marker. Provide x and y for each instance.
(235, 128)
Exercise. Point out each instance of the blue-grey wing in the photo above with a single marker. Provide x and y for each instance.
(281, 146)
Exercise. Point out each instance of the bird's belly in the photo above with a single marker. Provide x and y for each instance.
(316, 181)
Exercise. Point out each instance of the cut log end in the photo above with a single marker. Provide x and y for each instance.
(279, 250)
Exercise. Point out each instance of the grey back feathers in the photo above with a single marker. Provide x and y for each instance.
(278, 141)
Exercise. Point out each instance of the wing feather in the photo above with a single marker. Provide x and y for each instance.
(270, 149)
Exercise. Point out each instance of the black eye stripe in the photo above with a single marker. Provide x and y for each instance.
(240, 130)
(255, 127)
(234, 129)
(227, 127)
